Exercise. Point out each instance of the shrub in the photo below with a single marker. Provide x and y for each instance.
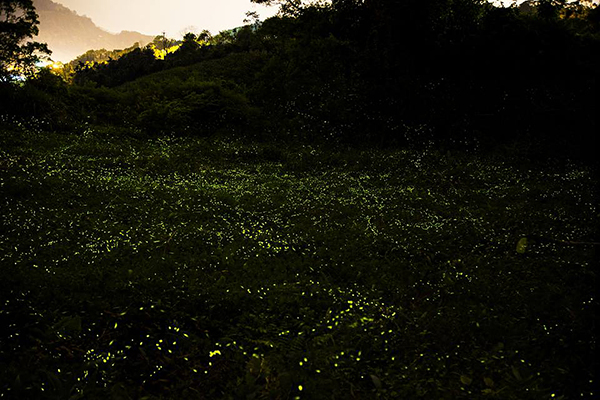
(201, 109)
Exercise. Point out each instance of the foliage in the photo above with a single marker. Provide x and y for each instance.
(45, 96)
(91, 58)
(18, 53)
(162, 42)
(461, 74)
(199, 108)
(202, 268)
(128, 67)
(300, 208)
(466, 70)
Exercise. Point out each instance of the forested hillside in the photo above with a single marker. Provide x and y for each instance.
(357, 199)
(458, 72)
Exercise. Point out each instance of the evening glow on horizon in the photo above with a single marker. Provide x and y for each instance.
(175, 17)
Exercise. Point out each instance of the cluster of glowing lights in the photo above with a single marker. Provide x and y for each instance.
(233, 215)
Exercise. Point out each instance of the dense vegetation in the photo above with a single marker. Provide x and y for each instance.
(187, 268)
(364, 199)
(456, 72)
(18, 51)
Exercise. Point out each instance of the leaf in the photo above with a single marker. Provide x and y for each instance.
(522, 245)
(516, 373)
(285, 381)
(376, 381)
(465, 380)
(254, 366)
(488, 382)
(69, 324)
(17, 383)
(52, 378)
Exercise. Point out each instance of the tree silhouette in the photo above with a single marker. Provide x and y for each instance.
(18, 54)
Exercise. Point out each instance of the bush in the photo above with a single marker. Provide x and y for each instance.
(201, 109)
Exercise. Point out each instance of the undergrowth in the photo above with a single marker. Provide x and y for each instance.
(204, 269)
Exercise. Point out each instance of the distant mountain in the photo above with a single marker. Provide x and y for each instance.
(69, 35)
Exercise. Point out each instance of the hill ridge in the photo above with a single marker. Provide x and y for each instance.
(69, 34)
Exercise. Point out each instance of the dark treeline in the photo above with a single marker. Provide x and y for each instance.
(455, 72)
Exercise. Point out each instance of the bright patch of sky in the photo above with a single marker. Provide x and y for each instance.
(175, 17)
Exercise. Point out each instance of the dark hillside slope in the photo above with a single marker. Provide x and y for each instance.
(480, 78)
(203, 98)
(241, 68)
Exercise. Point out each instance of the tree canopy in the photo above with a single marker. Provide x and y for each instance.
(378, 71)
(18, 52)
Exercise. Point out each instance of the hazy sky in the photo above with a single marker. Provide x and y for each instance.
(173, 16)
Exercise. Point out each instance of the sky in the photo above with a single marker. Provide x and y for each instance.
(175, 17)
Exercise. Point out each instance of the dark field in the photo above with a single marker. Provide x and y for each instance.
(197, 269)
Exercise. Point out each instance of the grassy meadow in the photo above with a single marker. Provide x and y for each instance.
(188, 268)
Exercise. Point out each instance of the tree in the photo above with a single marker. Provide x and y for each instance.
(189, 38)
(288, 7)
(128, 67)
(18, 52)
(204, 36)
(161, 42)
(187, 51)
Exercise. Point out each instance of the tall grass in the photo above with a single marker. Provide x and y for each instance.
(202, 269)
